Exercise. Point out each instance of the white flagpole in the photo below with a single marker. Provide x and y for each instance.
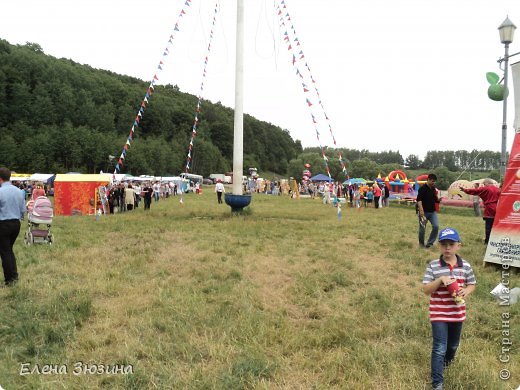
(238, 133)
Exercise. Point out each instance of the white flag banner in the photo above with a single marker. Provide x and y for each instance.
(515, 70)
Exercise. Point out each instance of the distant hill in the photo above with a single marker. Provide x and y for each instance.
(59, 116)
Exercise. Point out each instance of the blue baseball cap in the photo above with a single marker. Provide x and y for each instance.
(449, 234)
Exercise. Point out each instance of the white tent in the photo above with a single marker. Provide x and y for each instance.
(42, 177)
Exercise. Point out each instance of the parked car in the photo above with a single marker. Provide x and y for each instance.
(207, 181)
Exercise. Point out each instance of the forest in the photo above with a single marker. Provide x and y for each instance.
(60, 116)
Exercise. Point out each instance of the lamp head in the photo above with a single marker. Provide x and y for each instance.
(507, 31)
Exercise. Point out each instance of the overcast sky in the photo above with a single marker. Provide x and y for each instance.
(405, 75)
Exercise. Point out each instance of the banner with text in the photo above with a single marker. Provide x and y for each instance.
(504, 243)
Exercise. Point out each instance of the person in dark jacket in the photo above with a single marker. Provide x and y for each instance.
(426, 201)
(147, 196)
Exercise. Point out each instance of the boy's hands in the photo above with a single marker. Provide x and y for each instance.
(465, 291)
(447, 280)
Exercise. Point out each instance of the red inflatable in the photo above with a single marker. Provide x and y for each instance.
(397, 176)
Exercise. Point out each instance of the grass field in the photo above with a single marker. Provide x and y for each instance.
(284, 296)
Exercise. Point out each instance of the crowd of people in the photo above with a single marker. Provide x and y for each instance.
(33, 189)
(357, 195)
(127, 196)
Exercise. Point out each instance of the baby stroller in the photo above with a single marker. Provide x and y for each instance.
(39, 219)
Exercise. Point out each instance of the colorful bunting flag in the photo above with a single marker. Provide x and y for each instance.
(149, 92)
(200, 99)
(301, 56)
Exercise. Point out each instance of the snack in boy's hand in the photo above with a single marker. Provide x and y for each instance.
(453, 289)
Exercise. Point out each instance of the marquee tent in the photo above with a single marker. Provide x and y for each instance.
(20, 176)
(321, 177)
(74, 194)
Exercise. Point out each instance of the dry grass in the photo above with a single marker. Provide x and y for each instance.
(286, 297)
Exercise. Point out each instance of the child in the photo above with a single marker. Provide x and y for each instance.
(446, 315)
(370, 196)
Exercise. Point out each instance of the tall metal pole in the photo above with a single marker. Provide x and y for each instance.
(238, 133)
(503, 162)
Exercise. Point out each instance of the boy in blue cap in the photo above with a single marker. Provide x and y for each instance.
(446, 315)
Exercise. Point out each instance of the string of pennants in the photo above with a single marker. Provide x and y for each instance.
(150, 89)
(199, 102)
(291, 38)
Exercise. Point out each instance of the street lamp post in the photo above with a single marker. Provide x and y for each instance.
(507, 31)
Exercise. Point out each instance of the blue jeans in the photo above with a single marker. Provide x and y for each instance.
(434, 220)
(446, 337)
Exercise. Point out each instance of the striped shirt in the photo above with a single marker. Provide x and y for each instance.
(442, 305)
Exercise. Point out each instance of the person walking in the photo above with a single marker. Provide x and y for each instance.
(426, 200)
(447, 307)
(386, 195)
(38, 191)
(129, 197)
(219, 189)
(377, 194)
(489, 194)
(476, 202)
(12, 210)
(147, 196)
(157, 190)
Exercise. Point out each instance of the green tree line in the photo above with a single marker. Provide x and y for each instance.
(60, 116)
(370, 165)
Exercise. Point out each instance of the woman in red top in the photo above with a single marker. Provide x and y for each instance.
(489, 194)
(38, 191)
(377, 194)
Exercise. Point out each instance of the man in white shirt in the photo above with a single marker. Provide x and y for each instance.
(156, 190)
(137, 193)
(219, 189)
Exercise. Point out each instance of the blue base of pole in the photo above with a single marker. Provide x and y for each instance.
(237, 202)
